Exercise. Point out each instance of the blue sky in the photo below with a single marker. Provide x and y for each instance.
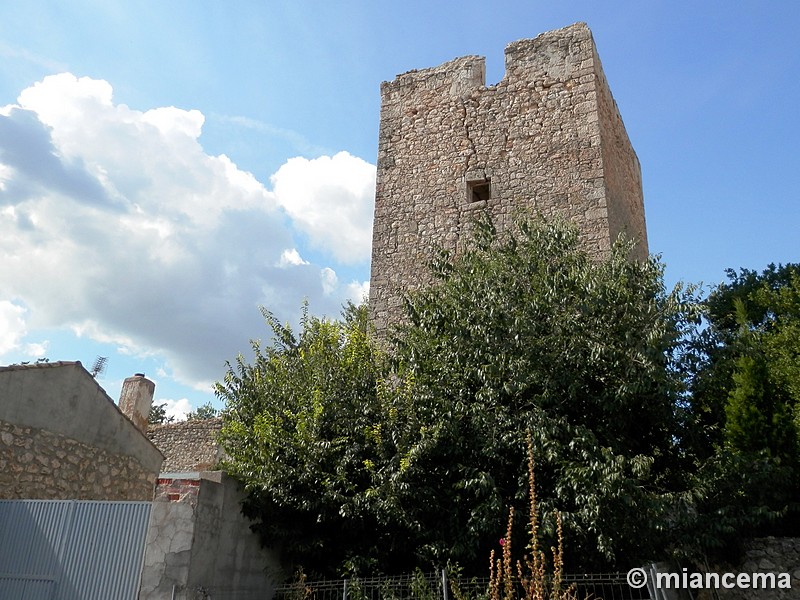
(168, 167)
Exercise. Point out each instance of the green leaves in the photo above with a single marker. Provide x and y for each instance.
(755, 326)
(300, 432)
(526, 331)
(743, 409)
(649, 430)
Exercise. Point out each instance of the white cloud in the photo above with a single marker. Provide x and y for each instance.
(14, 329)
(12, 326)
(171, 120)
(291, 258)
(38, 349)
(116, 223)
(177, 409)
(6, 173)
(330, 199)
(358, 291)
(329, 280)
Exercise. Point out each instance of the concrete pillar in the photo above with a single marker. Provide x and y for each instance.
(136, 398)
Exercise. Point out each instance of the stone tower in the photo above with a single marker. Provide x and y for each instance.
(548, 137)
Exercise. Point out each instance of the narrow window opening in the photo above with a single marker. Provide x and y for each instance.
(479, 191)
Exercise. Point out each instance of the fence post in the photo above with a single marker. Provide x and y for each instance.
(344, 590)
(445, 594)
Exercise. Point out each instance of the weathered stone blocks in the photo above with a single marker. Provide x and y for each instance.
(548, 137)
(764, 555)
(188, 445)
(40, 464)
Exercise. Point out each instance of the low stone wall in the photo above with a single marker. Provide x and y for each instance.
(42, 465)
(764, 555)
(188, 446)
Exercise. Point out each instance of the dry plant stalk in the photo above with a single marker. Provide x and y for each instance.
(531, 571)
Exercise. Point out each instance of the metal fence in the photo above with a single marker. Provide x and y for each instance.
(439, 586)
(417, 586)
(608, 586)
(216, 593)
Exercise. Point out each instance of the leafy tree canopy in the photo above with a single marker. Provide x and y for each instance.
(528, 332)
(359, 461)
(158, 415)
(302, 431)
(203, 412)
(750, 364)
(745, 394)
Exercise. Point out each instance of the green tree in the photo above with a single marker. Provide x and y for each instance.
(356, 461)
(752, 360)
(743, 412)
(302, 430)
(758, 413)
(202, 413)
(527, 332)
(158, 415)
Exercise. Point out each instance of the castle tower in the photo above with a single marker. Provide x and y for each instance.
(548, 137)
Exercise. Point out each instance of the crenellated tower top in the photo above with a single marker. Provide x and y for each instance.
(547, 137)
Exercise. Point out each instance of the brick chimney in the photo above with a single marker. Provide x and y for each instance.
(136, 398)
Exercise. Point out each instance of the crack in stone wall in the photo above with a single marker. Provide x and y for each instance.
(548, 136)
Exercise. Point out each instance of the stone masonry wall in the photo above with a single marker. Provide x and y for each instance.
(765, 555)
(188, 445)
(39, 464)
(547, 138)
(621, 170)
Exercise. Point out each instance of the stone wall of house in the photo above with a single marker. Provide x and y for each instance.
(40, 464)
(188, 445)
(547, 138)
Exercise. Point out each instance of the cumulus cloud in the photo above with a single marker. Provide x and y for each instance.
(330, 198)
(175, 409)
(291, 257)
(32, 164)
(12, 326)
(13, 329)
(358, 291)
(116, 223)
(329, 280)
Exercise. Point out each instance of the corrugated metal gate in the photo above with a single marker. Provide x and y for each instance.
(71, 549)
